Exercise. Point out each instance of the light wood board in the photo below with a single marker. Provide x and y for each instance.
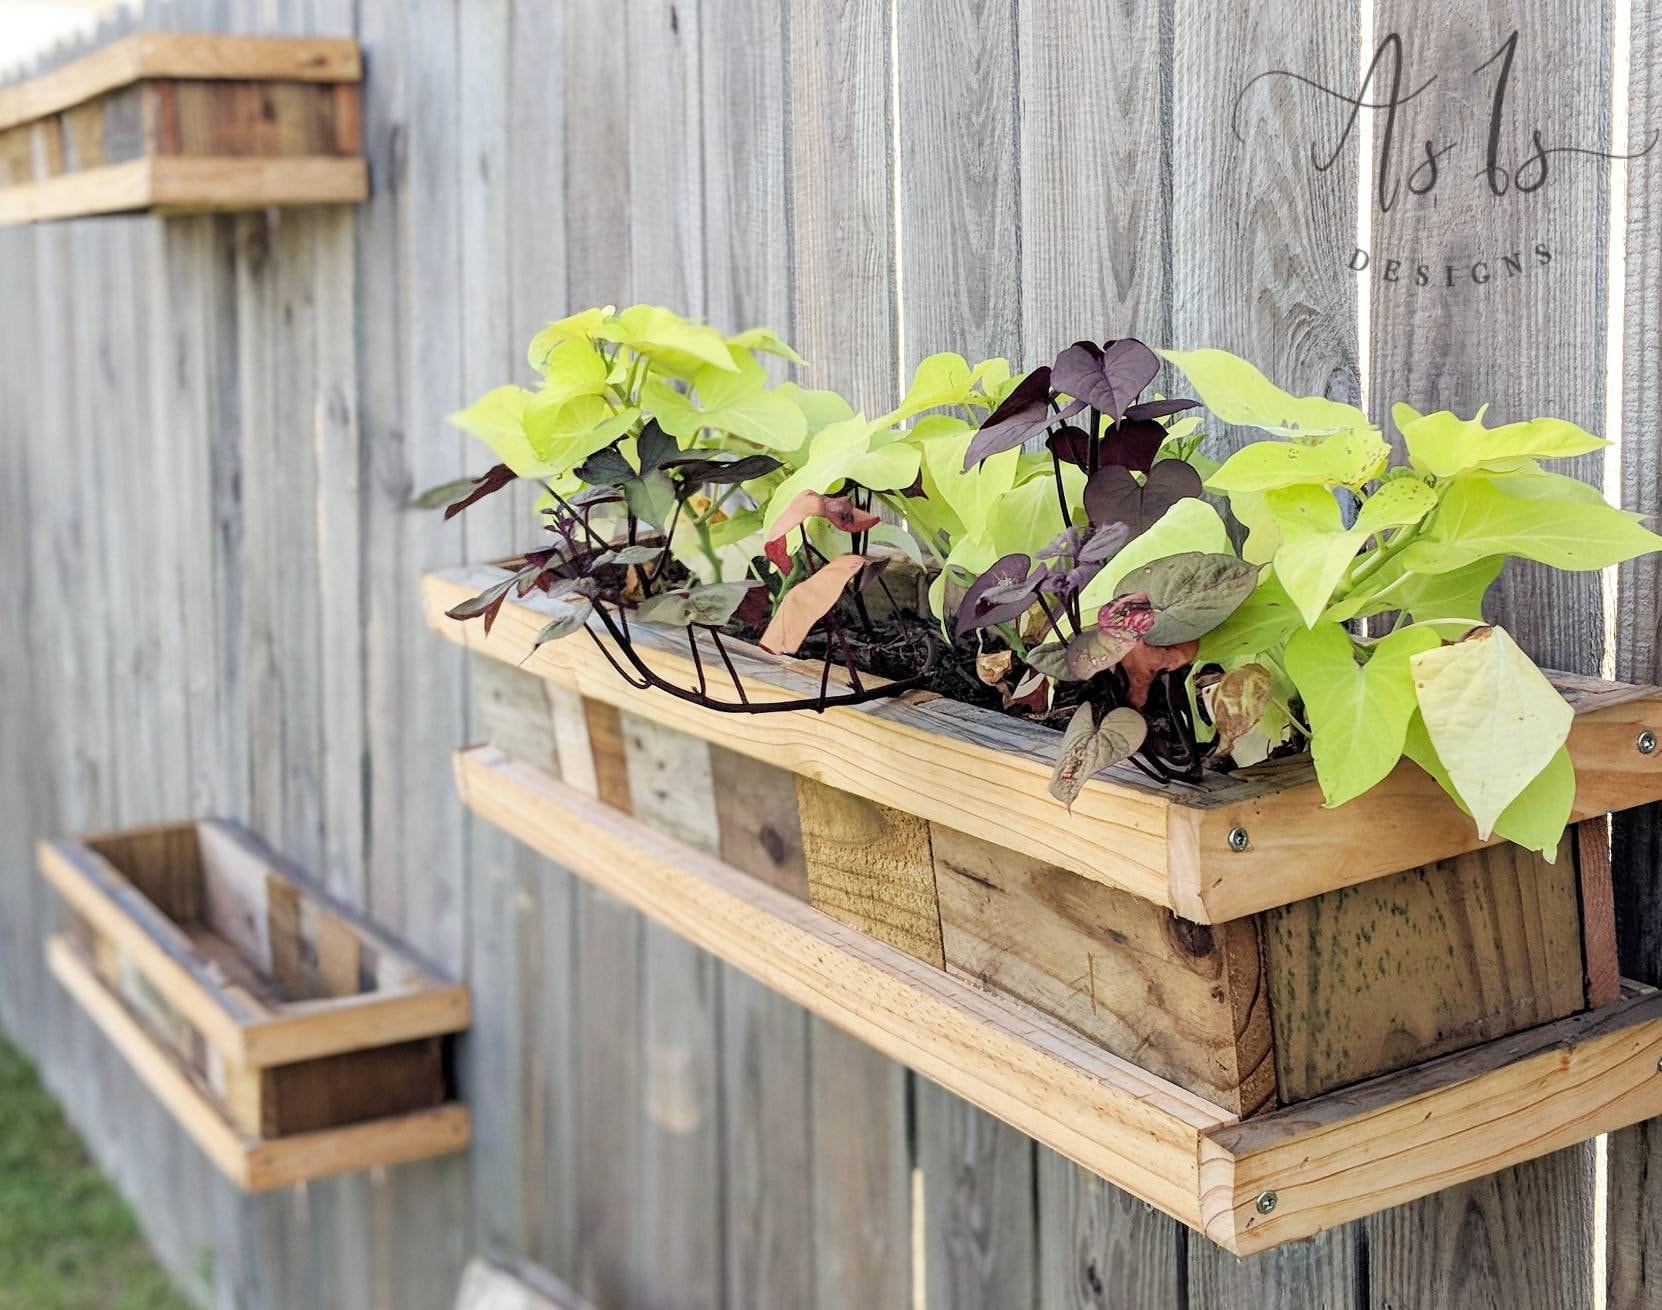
(254, 1166)
(934, 757)
(1330, 1160)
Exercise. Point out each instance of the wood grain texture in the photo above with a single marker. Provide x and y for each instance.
(1259, 239)
(1634, 1156)
(1331, 1160)
(1462, 1117)
(596, 198)
(980, 1239)
(143, 55)
(253, 1165)
(871, 867)
(860, 1162)
(1600, 962)
(1259, 243)
(766, 1079)
(842, 197)
(769, 1184)
(1527, 344)
(1101, 1248)
(1369, 979)
(1183, 1000)
(960, 229)
(869, 988)
(1168, 845)
(760, 823)
(1091, 267)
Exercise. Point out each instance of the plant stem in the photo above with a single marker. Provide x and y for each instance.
(1061, 493)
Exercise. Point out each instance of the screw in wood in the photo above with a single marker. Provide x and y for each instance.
(1238, 840)
(1265, 1202)
(1646, 744)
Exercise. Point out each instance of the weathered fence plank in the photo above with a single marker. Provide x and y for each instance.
(766, 1077)
(1258, 248)
(1633, 1246)
(1529, 344)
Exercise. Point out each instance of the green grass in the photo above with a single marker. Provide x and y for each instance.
(67, 1239)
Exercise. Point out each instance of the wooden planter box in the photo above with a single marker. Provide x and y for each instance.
(181, 123)
(1182, 1012)
(286, 1036)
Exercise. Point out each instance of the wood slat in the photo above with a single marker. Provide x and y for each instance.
(251, 1165)
(217, 994)
(1426, 1129)
(187, 185)
(1171, 846)
(1330, 1160)
(180, 55)
(1188, 999)
(1369, 979)
(1144, 1130)
(871, 867)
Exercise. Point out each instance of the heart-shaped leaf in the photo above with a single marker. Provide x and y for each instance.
(1050, 659)
(1071, 445)
(1132, 444)
(574, 598)
(1159, 409)
(1090, 744)
(606, 468)
(1024, 413)
(627, 555)
(651, 498)
(839, 511)
(654, 447)
(1109, 379)
(712, 606)
(1004, 591)
(807, 603)
(720, 467)
(1494, 719)
(475, 489)
(1143, 663)
(1238, 704)
(1192, 593)
(1113, 496)
(1097, 650)
(1358, 715)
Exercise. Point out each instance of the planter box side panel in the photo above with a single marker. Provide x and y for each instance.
(1184, 1000)
(1249, 1013)
(1373, 978)
(276, 1100)
(354, 1087)
(233, 119)
(1114, 967)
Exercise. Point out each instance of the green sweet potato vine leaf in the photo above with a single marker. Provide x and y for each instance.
(1492, 717)
(1358, 713)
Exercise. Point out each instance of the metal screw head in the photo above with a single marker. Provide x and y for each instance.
(1265, 1202)
(1646, 742)
(1238, 840)
(1659, 1066)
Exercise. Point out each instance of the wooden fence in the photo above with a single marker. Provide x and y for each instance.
(209, 427)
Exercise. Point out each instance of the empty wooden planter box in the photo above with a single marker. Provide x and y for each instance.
(1263, 1016)
(183, 123)
(286, 1036)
